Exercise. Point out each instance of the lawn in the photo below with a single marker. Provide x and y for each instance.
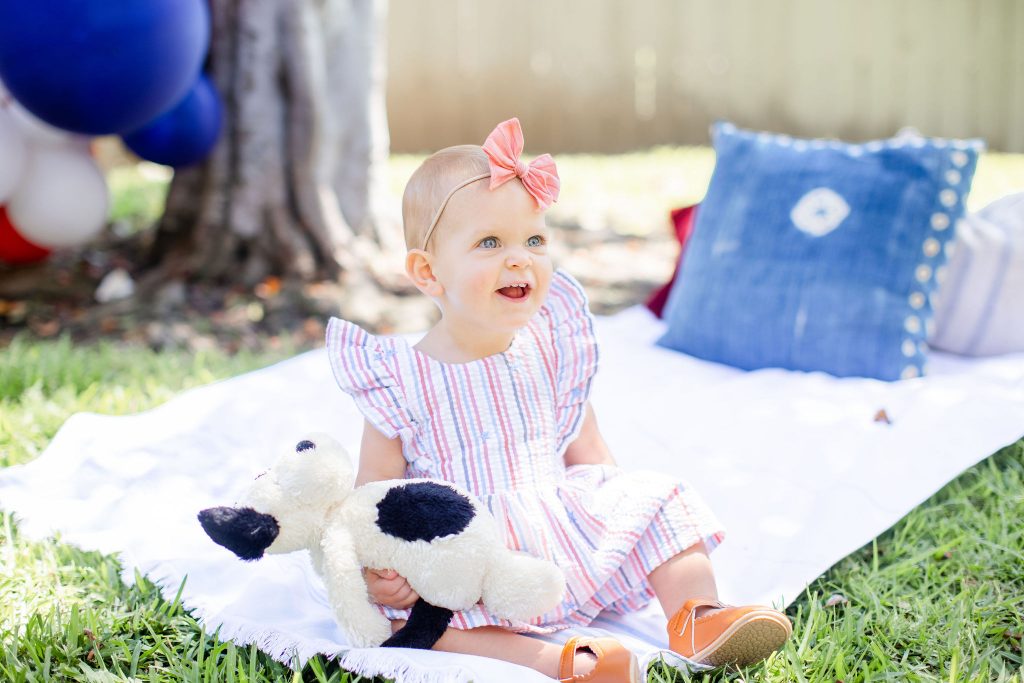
(938, 597)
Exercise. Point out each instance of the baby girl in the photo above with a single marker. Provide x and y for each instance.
(495, 399)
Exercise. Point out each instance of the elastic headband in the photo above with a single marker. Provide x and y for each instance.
(503, 147)
(444, 203)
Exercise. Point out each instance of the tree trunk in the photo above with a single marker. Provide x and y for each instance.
(293, 187)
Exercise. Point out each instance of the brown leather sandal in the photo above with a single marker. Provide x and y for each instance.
(731, 636)
(615, 663)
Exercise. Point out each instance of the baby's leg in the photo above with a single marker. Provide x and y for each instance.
(494, 642)
(706, 630)
(686, 575)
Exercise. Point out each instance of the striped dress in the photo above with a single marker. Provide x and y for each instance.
(499, 427)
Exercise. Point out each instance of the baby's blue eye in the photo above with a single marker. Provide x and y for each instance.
(489, 243)
(535, 241)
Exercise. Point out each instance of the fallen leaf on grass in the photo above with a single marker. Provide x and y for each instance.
(269, 287)
(836, 599)
(44, 328)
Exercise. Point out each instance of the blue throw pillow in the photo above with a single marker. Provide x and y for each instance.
(817, 254)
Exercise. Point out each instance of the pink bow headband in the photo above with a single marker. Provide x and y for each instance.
(503, 147)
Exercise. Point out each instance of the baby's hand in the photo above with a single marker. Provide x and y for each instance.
(387, 588)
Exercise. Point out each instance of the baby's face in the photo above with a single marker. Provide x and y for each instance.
(491, 256)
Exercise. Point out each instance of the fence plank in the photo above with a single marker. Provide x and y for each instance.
(1015, 121)
(613, 75)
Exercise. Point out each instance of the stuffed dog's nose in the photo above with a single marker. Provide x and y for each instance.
(243, 531)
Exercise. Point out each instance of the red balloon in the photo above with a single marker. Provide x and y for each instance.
(13, 247)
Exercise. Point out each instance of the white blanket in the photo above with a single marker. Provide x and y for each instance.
(794, 464)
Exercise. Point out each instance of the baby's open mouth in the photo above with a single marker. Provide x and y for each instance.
(519, 291)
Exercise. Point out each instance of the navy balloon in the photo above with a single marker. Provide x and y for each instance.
(185, 134)
(101, 66)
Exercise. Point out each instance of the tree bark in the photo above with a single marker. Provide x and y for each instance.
(293, 187)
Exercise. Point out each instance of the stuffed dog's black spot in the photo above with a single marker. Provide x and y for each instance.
(423, 511)
(304, 445)
(243, 531)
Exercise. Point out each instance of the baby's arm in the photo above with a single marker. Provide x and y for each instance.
(381, 458)
(589, 448)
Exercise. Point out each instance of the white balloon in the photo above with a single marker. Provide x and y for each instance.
(12, 155)
(36, 130)
(62, 198)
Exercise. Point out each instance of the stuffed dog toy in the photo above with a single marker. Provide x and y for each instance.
(440, 538)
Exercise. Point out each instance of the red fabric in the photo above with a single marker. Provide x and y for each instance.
(13, 247)
(683, 219)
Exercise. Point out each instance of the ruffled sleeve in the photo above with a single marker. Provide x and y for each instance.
(358, 360)
(575, 354)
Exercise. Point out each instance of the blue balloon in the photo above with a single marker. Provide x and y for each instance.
(101, 66)
(185, 134)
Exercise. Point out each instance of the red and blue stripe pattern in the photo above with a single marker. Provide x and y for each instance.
(499, 426)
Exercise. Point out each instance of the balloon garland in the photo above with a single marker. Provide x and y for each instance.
(100, 67)
(12, 161)
(13, 247)
(94, 67)
(62, 198)
(185, 134)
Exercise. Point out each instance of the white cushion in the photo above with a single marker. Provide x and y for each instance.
(979, 307)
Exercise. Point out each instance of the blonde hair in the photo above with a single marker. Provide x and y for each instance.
(430, 184)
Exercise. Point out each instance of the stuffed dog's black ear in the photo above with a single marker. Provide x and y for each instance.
(304, 445)
(243, 531)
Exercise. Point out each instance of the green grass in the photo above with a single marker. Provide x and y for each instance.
(64, 613)
(936, 598)
(138, 193)
(41, 384)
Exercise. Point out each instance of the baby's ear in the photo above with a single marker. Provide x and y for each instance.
(419, 269)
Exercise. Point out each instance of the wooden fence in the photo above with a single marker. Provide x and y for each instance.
(614, 75)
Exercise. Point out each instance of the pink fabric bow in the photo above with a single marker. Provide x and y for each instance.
(540, 177)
